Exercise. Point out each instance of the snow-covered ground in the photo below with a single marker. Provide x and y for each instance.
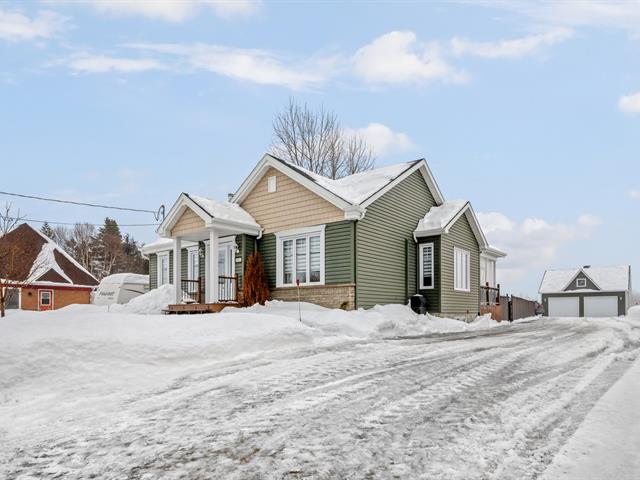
(91, 391)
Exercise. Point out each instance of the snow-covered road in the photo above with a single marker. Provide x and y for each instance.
(496, 403)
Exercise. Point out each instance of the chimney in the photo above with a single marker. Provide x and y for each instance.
(229, 196)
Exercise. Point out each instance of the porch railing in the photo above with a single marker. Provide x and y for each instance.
(227, 288)
(489, 295)
(192, 290)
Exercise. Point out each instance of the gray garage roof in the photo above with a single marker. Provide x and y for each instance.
(607, 279)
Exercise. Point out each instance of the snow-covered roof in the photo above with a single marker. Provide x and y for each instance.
(163, 245)
(437, 218)
(358, 187)
(226, 216)
(224, 210)
(352, 193)
(122, 278)
(47, 261)
(607, 279)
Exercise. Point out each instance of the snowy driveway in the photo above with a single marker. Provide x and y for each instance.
(497, 403)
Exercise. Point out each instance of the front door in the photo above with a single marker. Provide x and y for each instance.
(226, 268)
(45, 300)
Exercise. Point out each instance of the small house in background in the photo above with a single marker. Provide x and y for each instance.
(52, 279)
(587, 291)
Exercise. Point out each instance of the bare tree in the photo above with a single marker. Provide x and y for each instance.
(81, 242)
(316, 141)
(62, 236)
(358, 156)
(15, 268)
(8, 219)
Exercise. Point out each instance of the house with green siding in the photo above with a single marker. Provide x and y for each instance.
(374, 237)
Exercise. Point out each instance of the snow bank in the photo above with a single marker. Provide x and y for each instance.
(152, 302)
(634, 313)
(379, 321)
(83, 361)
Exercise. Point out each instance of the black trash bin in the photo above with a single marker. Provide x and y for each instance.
(419, 304)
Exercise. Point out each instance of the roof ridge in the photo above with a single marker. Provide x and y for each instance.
(62, 252)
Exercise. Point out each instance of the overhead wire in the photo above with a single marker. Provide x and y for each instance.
(155, 213)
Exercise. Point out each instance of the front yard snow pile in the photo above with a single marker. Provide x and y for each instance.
(83, 360)
(151, 302)
(379, 321)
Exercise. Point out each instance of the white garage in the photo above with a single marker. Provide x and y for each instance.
(601, 306)
(587, 291)
(564, 307)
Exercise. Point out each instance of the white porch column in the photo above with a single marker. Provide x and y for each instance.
(177, 267)
(213, 267)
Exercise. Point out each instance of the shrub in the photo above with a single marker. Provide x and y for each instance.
(255, 287)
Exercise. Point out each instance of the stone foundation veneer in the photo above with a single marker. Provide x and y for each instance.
(330, 296)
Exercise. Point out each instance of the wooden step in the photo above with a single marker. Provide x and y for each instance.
(192, 308)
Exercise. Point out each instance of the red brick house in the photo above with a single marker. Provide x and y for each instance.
(55, 279)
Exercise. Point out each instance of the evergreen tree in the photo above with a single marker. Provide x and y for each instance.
(47, 230)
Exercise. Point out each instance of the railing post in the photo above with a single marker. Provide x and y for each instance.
(235, 288)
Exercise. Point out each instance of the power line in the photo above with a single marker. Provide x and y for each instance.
(84, 223)
(156, 214)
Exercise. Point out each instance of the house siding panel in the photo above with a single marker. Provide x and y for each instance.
(456, 303)
(572, 285)
(153, 271)
(384, 238)
(267, 248)
(433, 294)
(290, 206)
(184, 265)
(339, 253)
(339, 258)
(188, 222)
(246, 248)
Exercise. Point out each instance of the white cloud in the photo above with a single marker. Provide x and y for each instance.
(233, 8)
(514, 48)
(398, 57)
(252, 65)
(532, 245)
(588, 13)
(630, 103)
(87, 63)
(382, 140)
(635, 194)
(588, 220)
(170, 10)
(16, 27)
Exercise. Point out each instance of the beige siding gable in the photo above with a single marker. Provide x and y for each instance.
(290, 206)
(189, 222)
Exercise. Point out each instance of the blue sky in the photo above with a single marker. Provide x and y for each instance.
(529, 110)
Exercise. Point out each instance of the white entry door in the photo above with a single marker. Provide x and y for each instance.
(564, 307)
(226, 268)
(601, 306)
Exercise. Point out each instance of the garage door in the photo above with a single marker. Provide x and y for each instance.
(601, 306)
(564, 307)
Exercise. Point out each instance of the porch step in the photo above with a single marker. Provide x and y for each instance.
(191, 308)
